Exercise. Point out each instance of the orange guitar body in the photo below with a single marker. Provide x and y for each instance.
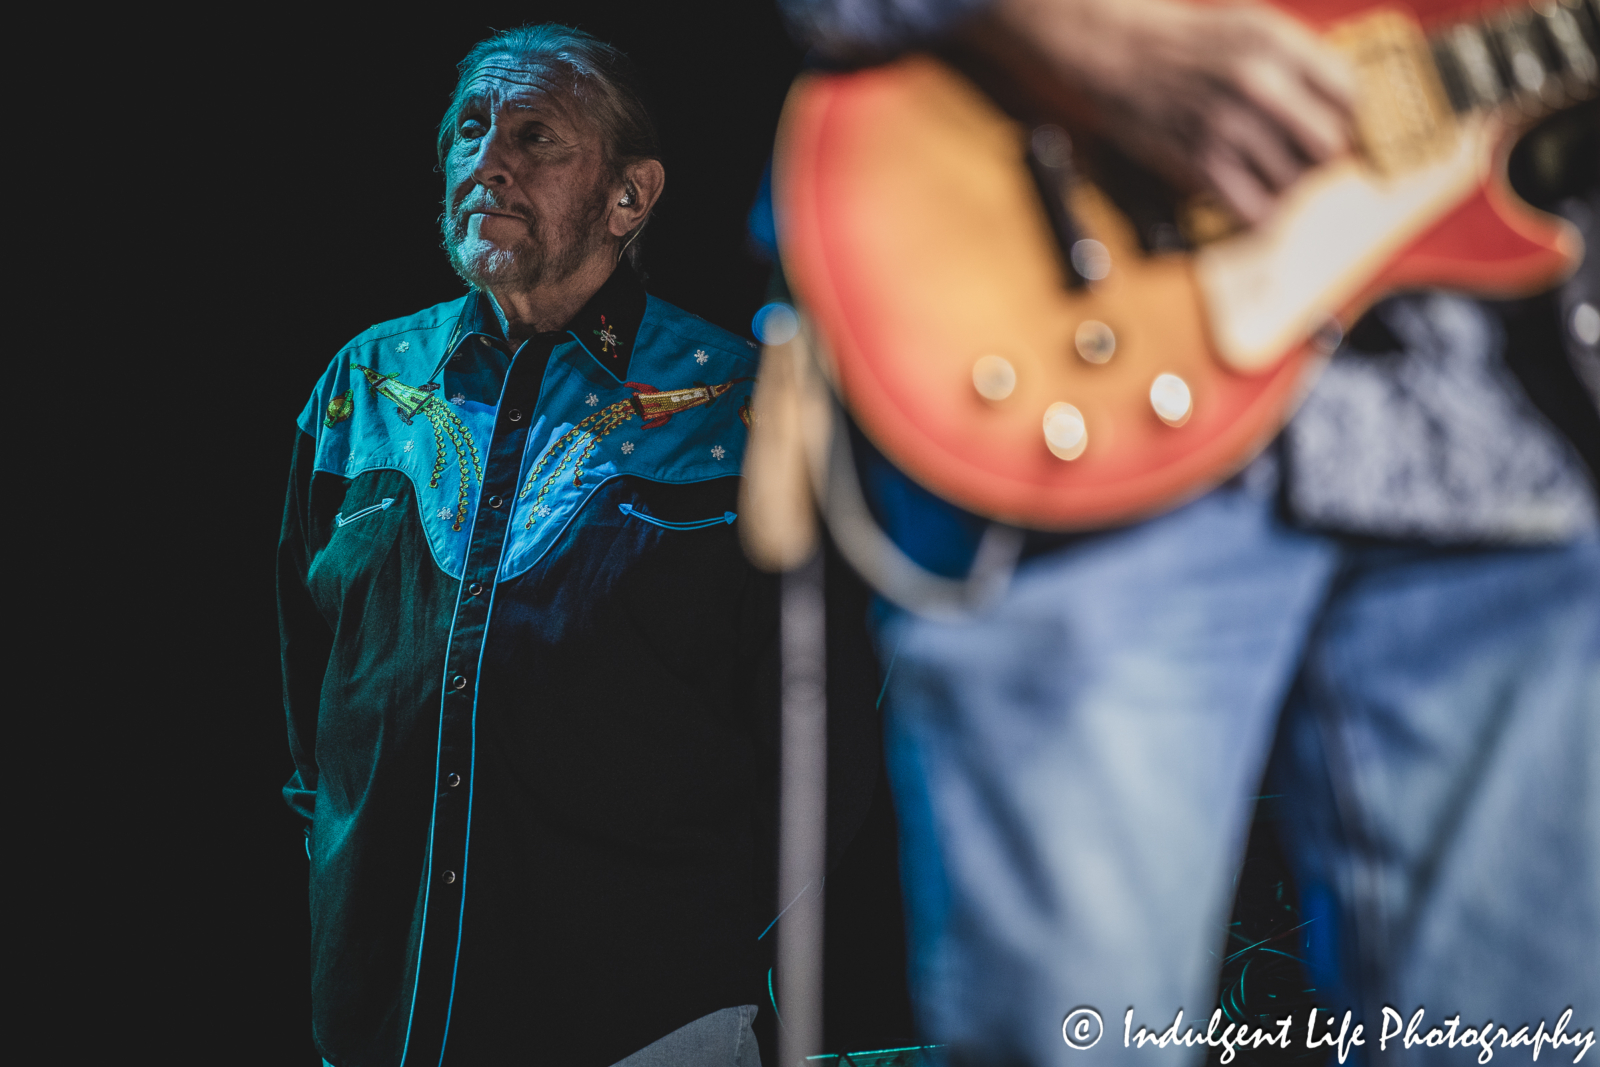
(917, 246)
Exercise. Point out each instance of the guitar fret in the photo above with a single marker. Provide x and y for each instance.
(1451, 76)
(1471, 54)
(1528, 74)
(1566, 35)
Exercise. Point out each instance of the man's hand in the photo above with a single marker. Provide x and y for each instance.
(1236, 99)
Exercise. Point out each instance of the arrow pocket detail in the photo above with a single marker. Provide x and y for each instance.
(382, 505)
(726, 518)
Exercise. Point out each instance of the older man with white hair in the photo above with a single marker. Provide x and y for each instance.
(522, 651)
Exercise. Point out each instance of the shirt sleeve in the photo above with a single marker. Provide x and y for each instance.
(304, 637)
(874, 29)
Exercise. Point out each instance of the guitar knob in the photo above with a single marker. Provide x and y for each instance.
(1091, 259)
(1586, 324)
(1064, 430)
(1095, 341)
(993, 377)
(1169, 395)
(1329, 336)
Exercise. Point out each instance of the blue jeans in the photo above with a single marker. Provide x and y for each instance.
(1075, 773)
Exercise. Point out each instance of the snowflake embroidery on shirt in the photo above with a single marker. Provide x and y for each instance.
(700, 356)
(591, 400)
(444, 513)
(717, 451)
(608, 337)
(409, 446)
(403, 346)
(627, 448)
(542, 510)
(459, 399)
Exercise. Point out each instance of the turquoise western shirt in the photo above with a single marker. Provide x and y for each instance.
(528, 677)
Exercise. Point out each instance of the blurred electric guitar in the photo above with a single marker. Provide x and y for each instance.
(1023, 346)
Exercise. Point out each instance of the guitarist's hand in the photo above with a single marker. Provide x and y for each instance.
(1237, 99)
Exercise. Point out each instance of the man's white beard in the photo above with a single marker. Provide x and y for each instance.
(539, 259)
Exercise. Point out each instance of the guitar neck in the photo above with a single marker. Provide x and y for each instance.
(1534, 58)
(1520, 61)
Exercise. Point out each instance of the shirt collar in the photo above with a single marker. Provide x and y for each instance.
(606, 326)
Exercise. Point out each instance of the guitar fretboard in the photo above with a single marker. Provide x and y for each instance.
(1527, 58)
(1535, 57)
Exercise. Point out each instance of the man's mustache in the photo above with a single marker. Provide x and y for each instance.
(487, 203)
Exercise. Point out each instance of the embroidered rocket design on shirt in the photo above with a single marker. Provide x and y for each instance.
(447, 426)
(654, 407)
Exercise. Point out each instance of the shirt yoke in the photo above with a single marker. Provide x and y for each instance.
(388, 401)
